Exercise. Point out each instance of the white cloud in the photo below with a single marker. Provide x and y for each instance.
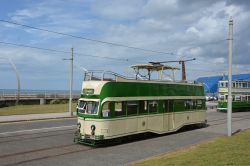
(117, 10)
(220, 60)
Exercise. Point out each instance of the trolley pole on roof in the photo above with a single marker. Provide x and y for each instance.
(229, 99)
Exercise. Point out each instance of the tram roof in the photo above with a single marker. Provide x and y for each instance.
(153, 67)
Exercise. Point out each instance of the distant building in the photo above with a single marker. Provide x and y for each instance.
(211, 83)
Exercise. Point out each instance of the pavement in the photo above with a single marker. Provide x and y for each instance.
(30, 117)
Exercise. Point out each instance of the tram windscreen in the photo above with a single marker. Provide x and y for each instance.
(88, 107)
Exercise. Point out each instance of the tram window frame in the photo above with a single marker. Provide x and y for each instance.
(155, 110)
(226, 84)
(132, 112)
(121, 111)
(171, 105)
(234, 84)
(168, 107)
(143, 107)
(237, 98)
(106, 112)
(199, 104)
(221, 97)
(189, 104)
(243, 98)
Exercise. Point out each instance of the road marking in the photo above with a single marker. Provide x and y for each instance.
(36, 130)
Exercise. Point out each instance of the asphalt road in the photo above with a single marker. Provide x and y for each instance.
(50, 142)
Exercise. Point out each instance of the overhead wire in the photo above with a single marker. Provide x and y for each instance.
(85, 38)
(59, 51)
(98, 41)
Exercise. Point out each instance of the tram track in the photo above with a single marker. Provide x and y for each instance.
(34, 136)
(226, 118)
(234, 119)
(42, 153)
(35, 133)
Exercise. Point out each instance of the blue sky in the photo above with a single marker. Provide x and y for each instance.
(189, 29)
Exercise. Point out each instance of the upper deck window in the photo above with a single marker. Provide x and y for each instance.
(88, 107)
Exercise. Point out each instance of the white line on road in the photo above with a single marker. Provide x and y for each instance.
(36, 130)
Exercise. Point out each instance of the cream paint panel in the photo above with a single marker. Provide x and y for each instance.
(117, 127)
(142, 123)
(168, 121)
(188, 118)
(158, 124)
(96, 85)
(155, 123)
(131, 125)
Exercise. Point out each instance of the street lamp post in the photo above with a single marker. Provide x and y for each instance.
(229, 99)
(18, 80)
(17, 77)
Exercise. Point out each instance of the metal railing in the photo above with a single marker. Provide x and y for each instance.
(103, 75)
(35, 94)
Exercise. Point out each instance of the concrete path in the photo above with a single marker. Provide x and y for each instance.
(28, 117)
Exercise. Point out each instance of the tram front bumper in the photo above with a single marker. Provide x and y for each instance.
(92, 137)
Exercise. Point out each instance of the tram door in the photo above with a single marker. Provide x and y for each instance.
(169, 115)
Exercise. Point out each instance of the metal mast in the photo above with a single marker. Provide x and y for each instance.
(229, 99)
(183, 69)
(18, 80)
(71, 82)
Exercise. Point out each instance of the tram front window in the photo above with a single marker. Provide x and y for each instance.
(87, 107)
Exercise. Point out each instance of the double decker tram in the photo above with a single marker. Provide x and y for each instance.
(112, 107)
(240, 95)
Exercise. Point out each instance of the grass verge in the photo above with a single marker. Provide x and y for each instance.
(224, 150)
(35, 109)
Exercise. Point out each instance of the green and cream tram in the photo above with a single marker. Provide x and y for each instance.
(240, 95)
(111, 106)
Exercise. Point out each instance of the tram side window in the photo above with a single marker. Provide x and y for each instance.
(166, 106)
(179, 105)
(106, 109)
(188, 104)
(222, 98)
(171, 105)
(199, 104)
(132, 107)
(152, 106)
(119, 109)
(237, 98)
(143, 107)
(243, 98)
